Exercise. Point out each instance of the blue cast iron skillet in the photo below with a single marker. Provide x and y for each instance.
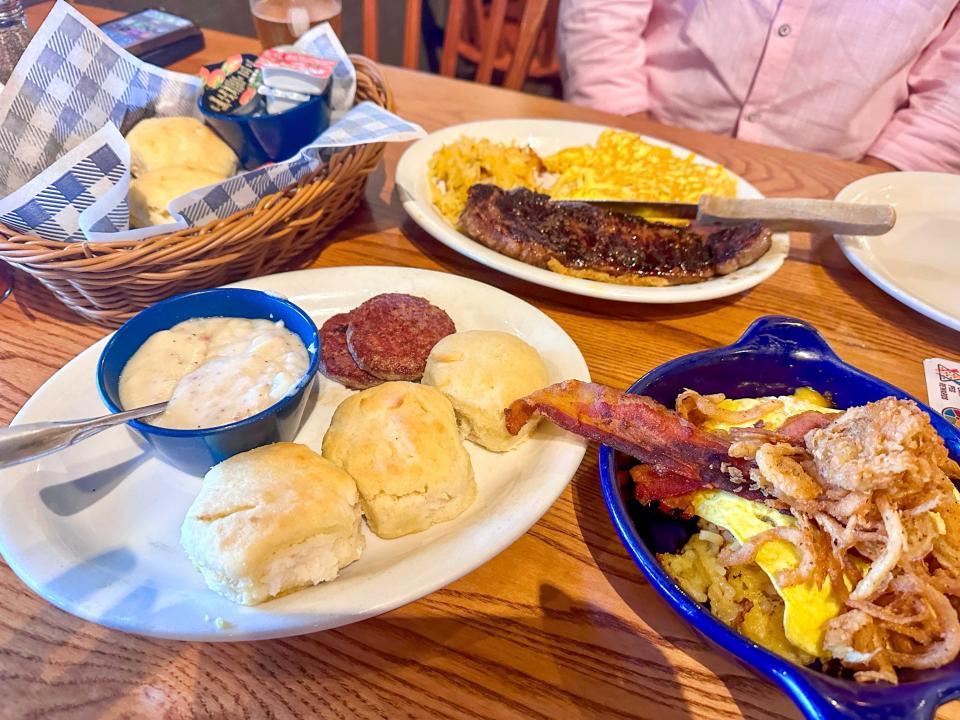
(774, 356)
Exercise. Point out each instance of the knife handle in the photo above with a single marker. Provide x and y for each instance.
(801, 215)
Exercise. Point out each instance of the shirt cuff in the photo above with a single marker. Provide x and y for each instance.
(611, 101)
(918, 143)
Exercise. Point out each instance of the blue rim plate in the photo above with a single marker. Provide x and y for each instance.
(774, 356)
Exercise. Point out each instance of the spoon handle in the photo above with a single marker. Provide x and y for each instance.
(33, 440)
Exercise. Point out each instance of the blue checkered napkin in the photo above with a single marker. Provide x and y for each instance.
(51, 204)
(323, 42)
(115, 220)
(109, 215)
(71, 82)
(366, 123)
(243, 191)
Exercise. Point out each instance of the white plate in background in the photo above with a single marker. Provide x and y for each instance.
(95, 529)
(916, 262)
(546, 137)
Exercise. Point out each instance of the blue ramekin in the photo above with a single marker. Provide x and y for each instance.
(774, 356)
(262, 138)
(196, 451)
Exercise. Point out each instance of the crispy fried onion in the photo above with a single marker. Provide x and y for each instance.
(807, 552)
(917, 628)
(851, 638)
(746, 447)
(780, 468)
(946, 626)
(879, 573)
(700, 409)
(876, 511)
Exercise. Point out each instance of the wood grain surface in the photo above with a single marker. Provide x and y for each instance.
(561, 624)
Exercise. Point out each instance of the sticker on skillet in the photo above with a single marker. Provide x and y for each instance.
(943, 388)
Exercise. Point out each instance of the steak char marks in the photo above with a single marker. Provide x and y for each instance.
(588, 241)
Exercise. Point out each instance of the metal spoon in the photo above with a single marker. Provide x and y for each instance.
(33, 440)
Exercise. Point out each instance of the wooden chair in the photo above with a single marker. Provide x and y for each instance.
(411, 32)
(514, 37)
(502, 36)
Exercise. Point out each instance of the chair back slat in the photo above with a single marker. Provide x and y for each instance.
(451, 37)
(371, 41)
(530, 25)
(411, 34)
(491, 33)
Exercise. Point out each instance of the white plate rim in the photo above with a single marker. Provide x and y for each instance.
(856, 249)
(574, 447)
(411, 176)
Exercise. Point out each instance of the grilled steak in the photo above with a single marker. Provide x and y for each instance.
(587, 241)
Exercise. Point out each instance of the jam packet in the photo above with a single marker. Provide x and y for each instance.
(230, 87)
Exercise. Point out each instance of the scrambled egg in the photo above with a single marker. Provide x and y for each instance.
(803, 400)
(742, 597)
(806, 608)
(621, 166)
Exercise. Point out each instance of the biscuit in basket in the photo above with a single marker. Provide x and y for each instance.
(150, 193)
(482, 372)
(400, 442)
(272, 520)
(162, 141)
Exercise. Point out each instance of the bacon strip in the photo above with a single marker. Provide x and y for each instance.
(680, 455)
(650, 486)
(795, 427)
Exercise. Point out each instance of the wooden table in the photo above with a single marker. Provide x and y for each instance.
(559, 625)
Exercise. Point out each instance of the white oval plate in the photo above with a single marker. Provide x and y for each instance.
(547, 137)
(95, 529)
(914, 261)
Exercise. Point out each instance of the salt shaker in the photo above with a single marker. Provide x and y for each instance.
(14, 36)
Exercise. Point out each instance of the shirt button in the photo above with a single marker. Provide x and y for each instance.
(753, 117)
(783, 30)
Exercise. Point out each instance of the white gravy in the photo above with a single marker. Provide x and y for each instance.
(213, 370)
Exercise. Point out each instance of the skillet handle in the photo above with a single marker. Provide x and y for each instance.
(830, 699)
(779, 332)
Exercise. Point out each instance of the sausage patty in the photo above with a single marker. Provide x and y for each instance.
(391, 335)
(336, 362)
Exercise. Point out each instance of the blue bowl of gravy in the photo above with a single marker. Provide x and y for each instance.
(196, 450)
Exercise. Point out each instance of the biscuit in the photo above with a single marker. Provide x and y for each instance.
(272, 520)
(162, 141)
(482, 372)
(400, 442)
(150, 193)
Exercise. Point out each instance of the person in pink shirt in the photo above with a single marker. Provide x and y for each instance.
(875, 81)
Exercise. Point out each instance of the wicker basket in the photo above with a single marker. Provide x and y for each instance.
(108, 282)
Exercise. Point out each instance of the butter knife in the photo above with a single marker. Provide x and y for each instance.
(777, 214)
